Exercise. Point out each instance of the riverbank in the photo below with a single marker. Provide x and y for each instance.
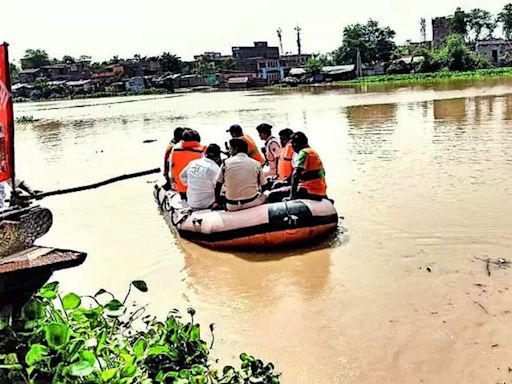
(409, 79)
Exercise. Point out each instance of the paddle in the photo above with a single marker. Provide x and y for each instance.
(40, 196)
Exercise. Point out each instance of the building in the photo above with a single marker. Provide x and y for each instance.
(211, 57)
(271, 70)
(494, 50)
(135, 84)
(260, 49)
(110, 71)
(76, 71)
(327, 73)
(261, 60)
(440, 30)
(28, 76)
(294, 61)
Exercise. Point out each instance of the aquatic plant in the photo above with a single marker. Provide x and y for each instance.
(98, 339)
(442, 75)
(26, 119)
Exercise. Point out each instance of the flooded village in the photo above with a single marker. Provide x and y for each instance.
(384, 258)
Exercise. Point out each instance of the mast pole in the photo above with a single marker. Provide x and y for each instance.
(11, 125)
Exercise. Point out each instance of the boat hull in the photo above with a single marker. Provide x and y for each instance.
(266, 226)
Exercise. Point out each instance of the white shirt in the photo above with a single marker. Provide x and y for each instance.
(200, 177)
(272, 153)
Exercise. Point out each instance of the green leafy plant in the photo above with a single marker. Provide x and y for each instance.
(93, 339)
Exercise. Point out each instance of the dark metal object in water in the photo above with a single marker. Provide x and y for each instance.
(25, 272)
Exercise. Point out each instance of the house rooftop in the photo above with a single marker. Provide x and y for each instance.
(30, 70)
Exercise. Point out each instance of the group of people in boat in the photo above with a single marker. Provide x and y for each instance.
(286, 168)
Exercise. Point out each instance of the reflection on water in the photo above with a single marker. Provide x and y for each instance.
(370, 127)
(421, 175)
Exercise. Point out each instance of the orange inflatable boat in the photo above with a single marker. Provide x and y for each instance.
(264, 226)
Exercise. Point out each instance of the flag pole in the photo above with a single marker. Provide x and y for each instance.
(11, 125)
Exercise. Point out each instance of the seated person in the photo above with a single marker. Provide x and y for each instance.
(272, 149)
(175, 140)
(285, 164)
(308, 177)
(236, 132)
(242, 178)
(200, 177)
(188, 149)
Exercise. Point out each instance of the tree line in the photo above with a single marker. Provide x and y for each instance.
(376, 43)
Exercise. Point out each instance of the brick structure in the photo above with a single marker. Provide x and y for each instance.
(440, 30)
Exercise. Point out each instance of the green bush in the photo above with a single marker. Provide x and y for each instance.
(92, 339)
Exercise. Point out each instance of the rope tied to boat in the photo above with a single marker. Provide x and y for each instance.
(290, 219)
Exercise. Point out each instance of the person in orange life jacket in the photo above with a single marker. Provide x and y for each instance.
(242, 178)
(285, 164)
(188, 149)
(272, 148)
(175, 140)
(281, 185)
(308, 177)
(237, 133)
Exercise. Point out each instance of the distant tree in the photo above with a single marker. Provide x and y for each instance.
(316, 62)
(226, 64)
(375, 43)
(456, 56)
(35, 58)
(505, 18)
(204, 68)
(68, 59)
(423, 29)
(459, 22)
(115, 60)
(479, 20)
(171, 62)
(85, 58)
(14, 71)
(98, 67)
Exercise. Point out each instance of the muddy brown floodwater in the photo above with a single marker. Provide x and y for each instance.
(422, 176)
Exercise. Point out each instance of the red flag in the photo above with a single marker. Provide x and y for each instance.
(6, 118)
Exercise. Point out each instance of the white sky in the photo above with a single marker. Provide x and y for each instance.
(106, 28)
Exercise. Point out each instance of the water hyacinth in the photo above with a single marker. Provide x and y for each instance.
(91, 339)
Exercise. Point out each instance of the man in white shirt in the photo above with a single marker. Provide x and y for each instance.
(272, 149)
(242, 178)
(200, 176)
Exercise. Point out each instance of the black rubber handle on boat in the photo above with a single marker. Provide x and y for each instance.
(96, 185)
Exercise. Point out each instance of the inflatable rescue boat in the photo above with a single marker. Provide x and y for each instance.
(264, 226)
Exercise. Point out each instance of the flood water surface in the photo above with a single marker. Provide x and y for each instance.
(421, 175)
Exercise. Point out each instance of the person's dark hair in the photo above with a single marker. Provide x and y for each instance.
(236, 129)
(300, 139)
(190, 135)
(286, 133)
(178, 132)
(240, 146)
(213, 151)
(264, 128)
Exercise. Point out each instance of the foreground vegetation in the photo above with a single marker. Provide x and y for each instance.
(97, 339)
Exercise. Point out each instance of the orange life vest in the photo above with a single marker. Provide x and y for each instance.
(253, 150)
(285, 166)
(167, 154)
(313, 177)
(182, 154)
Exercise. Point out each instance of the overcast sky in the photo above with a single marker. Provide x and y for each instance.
(105, 28)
